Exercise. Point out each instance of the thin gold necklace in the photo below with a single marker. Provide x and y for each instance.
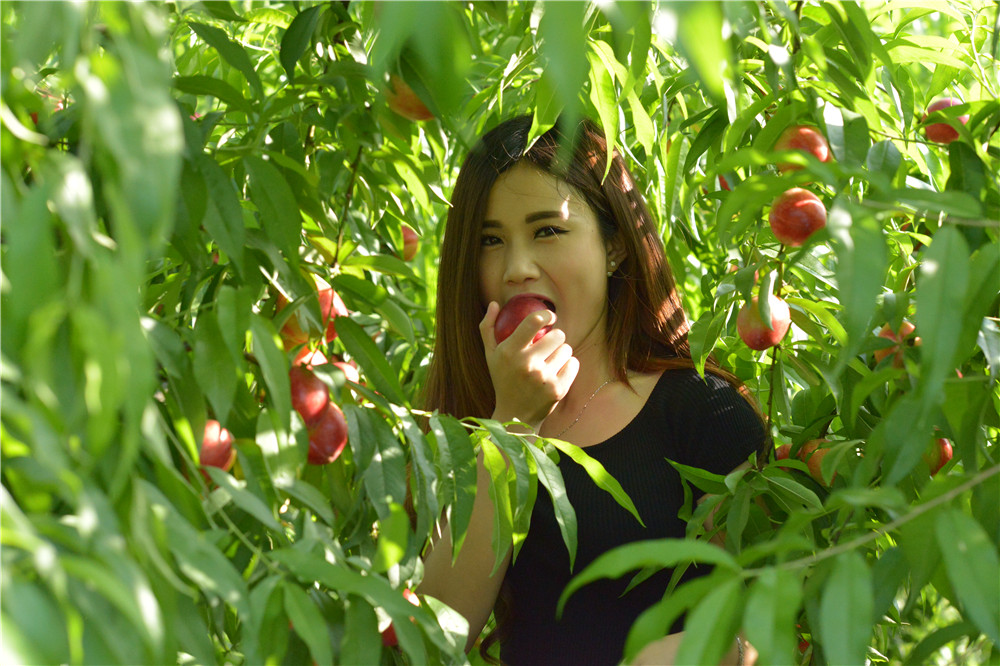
(585, 405)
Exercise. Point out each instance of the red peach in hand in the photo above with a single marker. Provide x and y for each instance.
(514, 312)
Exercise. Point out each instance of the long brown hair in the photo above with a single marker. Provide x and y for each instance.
(646, 326)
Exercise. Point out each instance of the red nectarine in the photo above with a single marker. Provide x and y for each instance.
(805, 139)
(514, 312)
(752, 329)
(796, 215)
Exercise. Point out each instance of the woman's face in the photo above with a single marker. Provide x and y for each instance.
(540, 237)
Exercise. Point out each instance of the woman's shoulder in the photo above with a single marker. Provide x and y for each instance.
(686, 389)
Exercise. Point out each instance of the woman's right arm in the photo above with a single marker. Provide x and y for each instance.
(467, 586)
(528, 380)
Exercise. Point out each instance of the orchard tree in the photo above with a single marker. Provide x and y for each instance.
(220, 232)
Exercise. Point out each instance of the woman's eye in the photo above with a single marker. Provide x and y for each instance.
(488, 241)
(549, 231)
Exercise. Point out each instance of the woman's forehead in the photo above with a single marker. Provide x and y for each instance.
(524, 187)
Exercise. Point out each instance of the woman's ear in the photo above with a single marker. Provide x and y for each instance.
(616, 250)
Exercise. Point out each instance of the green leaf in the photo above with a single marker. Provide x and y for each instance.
(207, 85)
(279, 212)
(125, 591)
(503, 519)
(700, 40)
(605, 99)
(655, 622)
(297, 38)
(197, 558)
(311, 497)
(224, 217)
(312, 568)
(904, 432)
(889, 573)
(214, 367)
(942, 282)
(658, 553)
(885, 158)
(709, 630)
(273, 365)
(973, 567)
(423, 474)
(598, 474)
(861, 270)
(958, 204)
(393, 534)
(924, 652)
(791, 491)
(552, 479)
(845, 620)
(704, 334)
(702, 479)
(563, 49)
(307, 622)
(385, 475)
(458, 460)
(372, 361)
(231, 52)
(769, 618)
(246, 500)
(360, 644)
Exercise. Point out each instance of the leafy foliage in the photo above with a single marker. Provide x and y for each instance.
(179, 180)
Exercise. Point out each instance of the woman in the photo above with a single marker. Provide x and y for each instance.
(613, 375)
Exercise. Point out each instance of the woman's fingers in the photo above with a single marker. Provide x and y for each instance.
(488, 323)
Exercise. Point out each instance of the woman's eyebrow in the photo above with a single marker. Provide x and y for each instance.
(535, 217)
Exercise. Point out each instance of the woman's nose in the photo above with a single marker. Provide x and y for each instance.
(520, 265)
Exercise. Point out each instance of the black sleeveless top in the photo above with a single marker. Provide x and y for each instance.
(700, 423)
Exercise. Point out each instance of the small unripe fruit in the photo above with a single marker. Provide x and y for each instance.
(310, 357)
(216, 448)
(751, 328)
(796, 215)
(943, 132)
(404, 101)
(331, 306)
(939, 455)
(350, 371)
(903, 336)
(514, 312)
(805, 139)
(389, 638)
(410, 243)
(812, 455)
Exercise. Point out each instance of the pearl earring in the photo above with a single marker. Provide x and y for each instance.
(610, 272)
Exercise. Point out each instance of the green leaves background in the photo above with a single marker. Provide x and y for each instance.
(191, 162)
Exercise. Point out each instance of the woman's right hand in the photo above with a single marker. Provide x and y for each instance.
(529, 379)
